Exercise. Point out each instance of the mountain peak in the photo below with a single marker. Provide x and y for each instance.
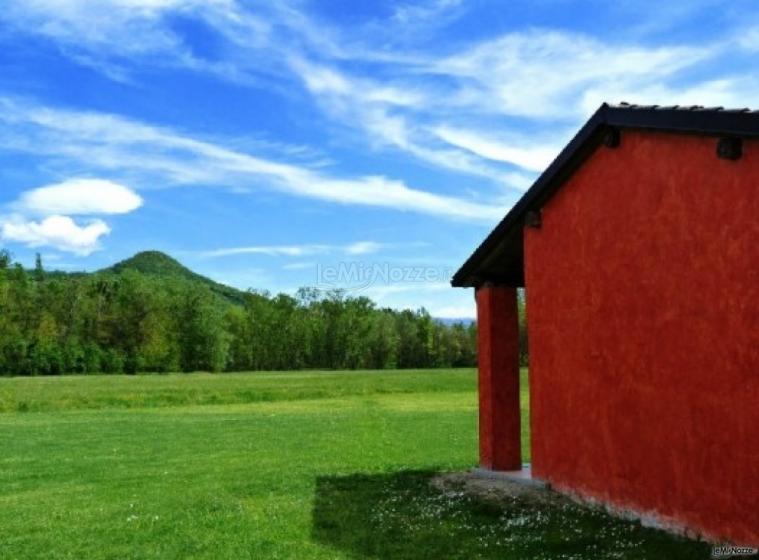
(153, 262)
(156, 263)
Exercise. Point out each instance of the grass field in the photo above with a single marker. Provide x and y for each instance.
(270, 465)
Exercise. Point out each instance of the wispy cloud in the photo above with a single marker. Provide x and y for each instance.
(392, 115)
(544, 73)
(535, 156)
(398, 98)
(356, 248)
(268, 250)
(114, 143)
(425, 13)
(363, 247)
(299, 266)
(102, 34)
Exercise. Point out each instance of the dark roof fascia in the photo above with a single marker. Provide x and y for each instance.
(465, 277)
(707, 121)
(688, 120)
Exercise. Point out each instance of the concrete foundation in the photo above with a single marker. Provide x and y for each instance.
(522, 476)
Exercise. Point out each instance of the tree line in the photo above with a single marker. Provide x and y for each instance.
(128, 322)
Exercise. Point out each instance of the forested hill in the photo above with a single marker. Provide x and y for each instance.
(149, 313)
(156, 263)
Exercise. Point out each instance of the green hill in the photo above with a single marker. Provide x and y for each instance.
(152, 262)
(156, 263)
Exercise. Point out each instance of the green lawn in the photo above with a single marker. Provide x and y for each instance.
(269, 465)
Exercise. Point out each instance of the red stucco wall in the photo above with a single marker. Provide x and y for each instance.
(643, 309)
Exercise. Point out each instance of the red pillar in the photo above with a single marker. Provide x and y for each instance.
(498, 348)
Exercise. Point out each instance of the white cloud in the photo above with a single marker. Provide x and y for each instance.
(110, 35)
(395, 130)
(424, 11)
(357, 248)
(53, 207)
(388, 116)
(540, 74)
(321, 79)
(106, 24)
(89, 25)
(60, 232)
(750, 40)
(80, 197)
(534, 158)
(269, 250)
(113, 143)
(464, 311)
(363, 247)
(543, 73)
(299, 266)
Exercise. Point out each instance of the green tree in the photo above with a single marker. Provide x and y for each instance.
(204, 343)
(39, 270)
(129, 320)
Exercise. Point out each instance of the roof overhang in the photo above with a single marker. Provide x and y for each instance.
(499, 259)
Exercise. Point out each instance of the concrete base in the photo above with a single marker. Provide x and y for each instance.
(523, 476)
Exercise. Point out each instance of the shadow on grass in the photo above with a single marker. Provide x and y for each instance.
(403, 516)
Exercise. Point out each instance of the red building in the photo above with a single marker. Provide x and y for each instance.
(639, 252)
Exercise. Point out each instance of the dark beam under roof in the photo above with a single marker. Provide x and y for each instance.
(499, 259)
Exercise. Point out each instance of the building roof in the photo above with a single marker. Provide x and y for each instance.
(500, 259)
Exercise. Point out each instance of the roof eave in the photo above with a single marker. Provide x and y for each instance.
(569, 157)
(741, 123)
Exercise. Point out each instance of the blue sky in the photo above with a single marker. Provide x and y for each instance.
(282, 144)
